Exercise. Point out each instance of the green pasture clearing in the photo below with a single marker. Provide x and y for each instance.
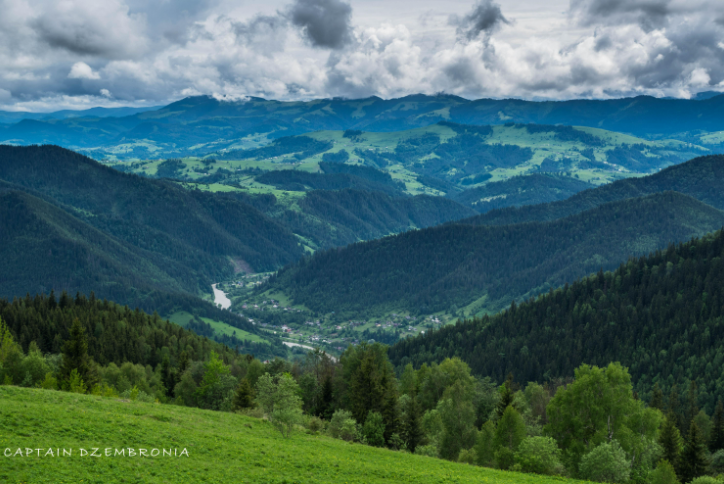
(222, 448)
(182, 318)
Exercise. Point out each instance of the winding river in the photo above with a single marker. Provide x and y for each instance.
(220, 298)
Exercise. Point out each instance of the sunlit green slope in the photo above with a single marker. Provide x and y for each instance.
(222, 448)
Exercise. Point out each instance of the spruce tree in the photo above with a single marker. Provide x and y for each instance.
(244, 397)
(325, 408)
(670, 440)
(694, 461)
(716, 442)
(692, 406)
(412, 433)
(75, 355)
(506, 397)
(657, 397)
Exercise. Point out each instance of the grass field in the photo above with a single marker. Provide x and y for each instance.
(182, 318)
(222, 448)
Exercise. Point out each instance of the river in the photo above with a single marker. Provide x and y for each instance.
(220, 298)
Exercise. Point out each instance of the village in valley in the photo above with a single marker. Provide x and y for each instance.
(302, 329)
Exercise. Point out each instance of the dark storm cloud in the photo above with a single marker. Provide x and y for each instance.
(325, 23)
(485, 17)
(649, 14)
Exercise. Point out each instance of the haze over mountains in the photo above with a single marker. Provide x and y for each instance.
(202, 124)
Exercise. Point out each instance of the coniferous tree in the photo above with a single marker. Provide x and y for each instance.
(506, 397)
(244, 396)
(716, 442)
(75, 355)
(674, 407)
(657, 397)
(692, 407)
(412, 433)
(168, 376)
(325, 408)
(694, 461)
(670, 440)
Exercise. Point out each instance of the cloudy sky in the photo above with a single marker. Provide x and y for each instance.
(58, 54)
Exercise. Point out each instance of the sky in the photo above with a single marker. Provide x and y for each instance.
(77, 54)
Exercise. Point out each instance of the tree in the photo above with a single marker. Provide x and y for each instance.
(217, 386)
(75, 355)
(506, 397)
(244, 397)
(374, 429)
(671, 441)
(326, 403)
(692, 406)
(657, 397)
(412, 434)
(279, 397)
(510, 430)
(663, 474)
(716, 441)
(458, 418)
(485, 445)
(694, 461)
(592, 410)
(539, 455)
(606, 463)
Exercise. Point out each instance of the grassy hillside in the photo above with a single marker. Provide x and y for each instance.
(700, 178)
(661, 316)
(521, 190)
(440, 158)
(221, 447)
(483, 267)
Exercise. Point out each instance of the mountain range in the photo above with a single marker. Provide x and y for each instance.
(204, 124)
(481, 268)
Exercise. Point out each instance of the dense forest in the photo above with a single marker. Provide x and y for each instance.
(700, 178)
(294, 180)
(593, 426)
(521, 190)
(662, 316)
(446, 268)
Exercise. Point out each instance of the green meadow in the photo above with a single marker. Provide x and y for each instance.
(182, 318)
(221, 447)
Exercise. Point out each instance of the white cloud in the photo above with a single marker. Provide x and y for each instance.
(154, 52)
(81, 70)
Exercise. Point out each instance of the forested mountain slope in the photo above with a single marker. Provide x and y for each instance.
(521, 190)
(700, 178)
(662, 316)
(333, 218)
(153, 215)
(114, 333)
(454, 265)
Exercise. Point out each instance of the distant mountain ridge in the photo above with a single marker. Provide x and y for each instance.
(701, 178)
(202, 119)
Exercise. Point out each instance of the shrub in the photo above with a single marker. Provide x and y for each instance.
(136, 395)
(49, 383)
(467, 456)
(429, 450)
(606, 463)
(706, 480)
(75, 383)
(315, 424)
(504, 458)
(663, 474)
(540, 455)
(338, 419)
(717, 461)
(374, 429)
